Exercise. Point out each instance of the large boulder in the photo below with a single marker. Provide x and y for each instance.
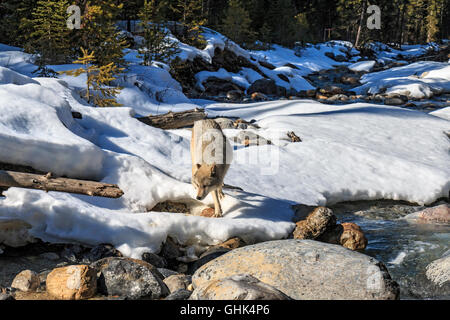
(265, 86)
(305, 270)
(72, 282)
(129, 278)
(237, 287)
(438, 271)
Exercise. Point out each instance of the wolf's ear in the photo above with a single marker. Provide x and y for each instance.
(213, 170)
(198, 165)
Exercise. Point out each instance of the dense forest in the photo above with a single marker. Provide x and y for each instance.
(283, 22)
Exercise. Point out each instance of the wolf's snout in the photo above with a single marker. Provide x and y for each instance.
(199, 198)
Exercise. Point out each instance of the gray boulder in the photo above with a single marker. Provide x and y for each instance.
(265, 86)
(438, 271)
(305, 270)
(129, 278)
(237, 287)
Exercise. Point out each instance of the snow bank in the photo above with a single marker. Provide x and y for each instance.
(351, 152)
(417, 80)
(33, 132)
(9, 76)
(366, 66)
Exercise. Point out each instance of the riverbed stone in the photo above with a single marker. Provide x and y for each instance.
(305, 270)
(73, 282)
(316, 223)
(177, 282)
(438, 271)
(26, 280)
(265, 86)
(181, 294)
(439, 213)
(130, 278)
(237, 287)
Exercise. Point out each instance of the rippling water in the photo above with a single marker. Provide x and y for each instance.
(405, 247)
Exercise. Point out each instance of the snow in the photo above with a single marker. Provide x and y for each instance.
(366, 66)
(443, 113)
(417, 80)
(348, 152)
(9, 76)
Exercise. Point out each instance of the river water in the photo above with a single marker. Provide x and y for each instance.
(406, 247)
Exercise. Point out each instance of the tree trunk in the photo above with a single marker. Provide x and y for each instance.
(361, 21)
(174, 120)
(47, 183)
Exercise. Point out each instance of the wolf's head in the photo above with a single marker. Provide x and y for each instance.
(205, 180)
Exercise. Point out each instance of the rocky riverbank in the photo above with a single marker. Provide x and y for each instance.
(295, 268)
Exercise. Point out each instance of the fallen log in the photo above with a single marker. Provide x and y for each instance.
(174, 120)
(48, 183)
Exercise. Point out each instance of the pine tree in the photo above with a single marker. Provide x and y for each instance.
(157, 45)
(99, 33)
(190, 15)
(12, 12)
(98, 90)
(236, 24)
(49, 36)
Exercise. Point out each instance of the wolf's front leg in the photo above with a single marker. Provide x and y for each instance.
(220, 193)
(217, 207)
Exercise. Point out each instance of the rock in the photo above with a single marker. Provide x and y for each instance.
(265, 86)
(26, 281)
(249, 138)
(181, 294)
(53, 256)
(331, 90)
(352, 237)
(258, 96)
(305, 269)
(225, 123)
(311, 93)
(438, 271)
(130, 278)
(207, 212)
(281, 92)
(177, 282)
(349, 80)
(154, 260)
(237, 287)
(5, 294)
(267, 65)
(234, 95)
(14, 233)
(72, 282)
(99, 252)
(437, 214)
(166, 272)
(170, 250)
(316, 223)
(231, 244)
(394, 101)
(206, 257)
(346, 234)
(301, 211)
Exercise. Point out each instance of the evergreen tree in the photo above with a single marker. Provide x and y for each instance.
(190, 15)
(99, 33)
(157, 45)
(12, 12)
(236, 24)
(49, 36)
(98, 79)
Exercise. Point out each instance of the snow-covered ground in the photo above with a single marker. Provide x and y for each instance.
(348, 152)
(418, 80)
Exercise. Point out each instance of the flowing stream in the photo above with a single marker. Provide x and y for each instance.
(406, 247)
